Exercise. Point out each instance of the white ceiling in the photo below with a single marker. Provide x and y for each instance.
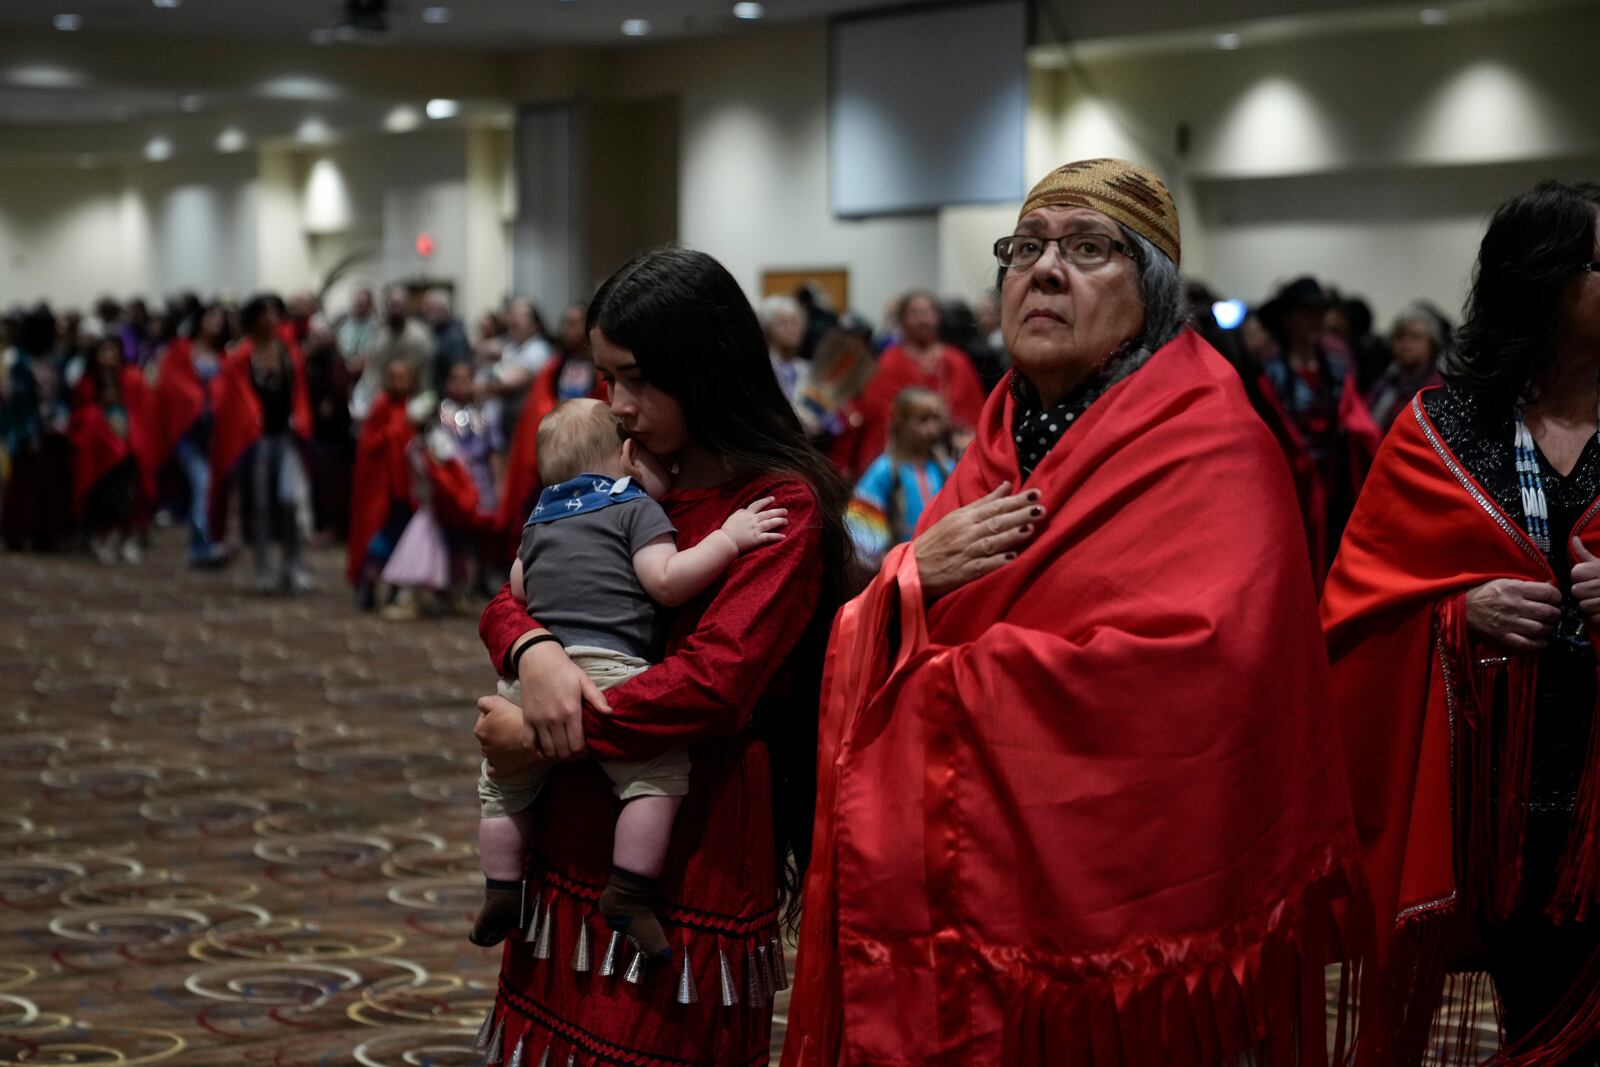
(499, 24)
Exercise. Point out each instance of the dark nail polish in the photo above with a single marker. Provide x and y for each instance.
(1037, 512)
(1033, 494)
(1027, 529)
(1011, 555)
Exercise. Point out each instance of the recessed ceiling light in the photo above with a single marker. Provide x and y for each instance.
(167, 3)
(436, 16)
(749, 10)
(157, 149)
(190, 102)
(322, 35)
(67, 23)
(231, 139)
(1435, 16)
(403, 118)
(1229, 40)
(635, 27)
(443, 109)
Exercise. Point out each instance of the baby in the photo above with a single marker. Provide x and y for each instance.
(595, 553)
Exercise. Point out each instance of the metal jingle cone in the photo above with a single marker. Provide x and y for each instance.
(581, 956)
(541, 944)
(544, 1060)
(519, 1053)
(481, 1042)
(532, 914)
(522, 905)
(752, 984)
(764, 972)
(608, 963)
(635, 973)
(780, 965)
(572, 1058)
(496, 1044)
(730, 992)
(687, 994)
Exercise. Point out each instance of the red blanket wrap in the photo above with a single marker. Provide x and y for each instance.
(180, 398)
(1090, 808)
(238, 422)
(98, 448)
(1431, 716)
(382, 477)
(953, 378)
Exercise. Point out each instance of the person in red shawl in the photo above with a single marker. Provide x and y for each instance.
(1081, 798)
(112, 434)
(679, 344)
(185, 403)
(568, 375)
(1461, 617)
(919, 359)
(1313, 378)
(380, 487)
(263, 420)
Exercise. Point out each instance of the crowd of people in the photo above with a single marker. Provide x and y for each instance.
(1062, 555)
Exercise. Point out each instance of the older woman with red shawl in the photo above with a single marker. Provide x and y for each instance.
(1081, 795)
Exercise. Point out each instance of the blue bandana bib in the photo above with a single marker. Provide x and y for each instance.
(581, 495)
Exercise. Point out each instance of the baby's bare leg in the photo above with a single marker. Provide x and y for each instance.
(644, 830)
(502, 841)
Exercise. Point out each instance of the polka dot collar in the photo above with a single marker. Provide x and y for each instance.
(1036, 429)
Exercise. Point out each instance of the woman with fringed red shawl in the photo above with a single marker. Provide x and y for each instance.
(1460, 617)
(1081, 795)
(113, 440)
(185, 407)
(263, 421)
(689, 377)
(920, 359)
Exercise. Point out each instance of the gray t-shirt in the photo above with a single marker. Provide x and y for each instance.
(580, 582)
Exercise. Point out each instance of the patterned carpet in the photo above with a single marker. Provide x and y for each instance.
(233, 829)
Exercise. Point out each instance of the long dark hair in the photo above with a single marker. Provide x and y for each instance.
(695, 337)
(1534, 243)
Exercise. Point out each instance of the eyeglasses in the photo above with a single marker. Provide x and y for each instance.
(1592, 268)
(1083, 250)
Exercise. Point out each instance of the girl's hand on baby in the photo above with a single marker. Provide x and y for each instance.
(756, 524)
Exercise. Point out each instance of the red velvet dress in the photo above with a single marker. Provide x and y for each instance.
(727, 661)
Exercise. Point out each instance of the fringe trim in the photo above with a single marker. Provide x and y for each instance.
(1266, 999)
(518, 1033)
(1493, 762)
(1578, 877)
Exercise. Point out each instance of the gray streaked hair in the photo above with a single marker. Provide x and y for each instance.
(1161, 288)
(770, 308)
(1419, 315)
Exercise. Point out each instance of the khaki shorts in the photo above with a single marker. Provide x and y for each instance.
(665, 776)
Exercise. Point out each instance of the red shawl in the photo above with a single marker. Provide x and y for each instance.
(381, 478)
(453, 495)
(1419, 699)
(99, 449)
(180, 398)
(1089, 809)
(238, 421)
(954, 379)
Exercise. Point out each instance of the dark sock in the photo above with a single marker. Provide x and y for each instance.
(501, 912)
(628, 904)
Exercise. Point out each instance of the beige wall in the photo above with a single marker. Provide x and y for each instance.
(1370, 158)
